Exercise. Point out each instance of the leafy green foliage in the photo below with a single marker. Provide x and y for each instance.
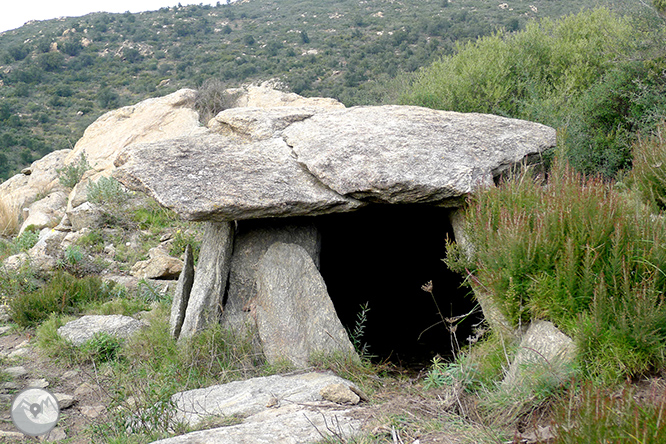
(106, 190)
(62, 294)
(576, 253)
(592, 75)
(649, 169)
(71, 174)
(102, 347)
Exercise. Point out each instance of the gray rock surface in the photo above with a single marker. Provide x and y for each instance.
(405, 154)
(544, 352)
(258, 123)
(181, 296)
(210, 278)
(295, 316)
(251, 397)
(252, 240)
(84, 328)
(211, 177)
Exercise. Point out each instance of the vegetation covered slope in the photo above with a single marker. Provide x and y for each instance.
(57, 76)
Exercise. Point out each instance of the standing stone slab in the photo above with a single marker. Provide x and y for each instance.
(252, 240)
(182, 294)
(210, 278)
(295, 315)
(545, 352)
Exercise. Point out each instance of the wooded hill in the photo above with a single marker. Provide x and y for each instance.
(58, 76)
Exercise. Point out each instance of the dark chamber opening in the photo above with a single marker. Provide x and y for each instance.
(383, 255)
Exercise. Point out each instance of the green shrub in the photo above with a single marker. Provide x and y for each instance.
(63, 294)
(102, 347)
(573, 252)
(27, 239)
(649, 170)
(624, 416)
(106, 190)
(71, 174)
(594, 75)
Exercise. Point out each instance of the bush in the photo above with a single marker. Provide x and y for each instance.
(595, 75)
(63, 294)
(71, 174)
(649, 169)
(573, 252)
(213, 97)
(106, 190)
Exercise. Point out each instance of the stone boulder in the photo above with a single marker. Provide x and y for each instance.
(544, 352)
(277, 409)
(148, 121)
(295, 316)
(210, 279)
(41, 177)
(252, 240)
(46, 212)
(267, 95)
(182, 295)
(84, 328)
(406, 154)
(275, 162)
(159, 265)
(211, 177)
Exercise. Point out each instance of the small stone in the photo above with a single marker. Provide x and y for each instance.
(16, 372)
(19, 353)
(5, 328)
(340, 394)
(64, 401)
(7, 386)
(85, 389)
(38, 383)
(69, 374)
(4, 434)
(92, 411)
(57, 434)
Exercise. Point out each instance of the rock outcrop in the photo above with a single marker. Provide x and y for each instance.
(85, 328)
(277, 409)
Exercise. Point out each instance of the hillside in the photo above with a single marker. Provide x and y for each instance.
(58, 76)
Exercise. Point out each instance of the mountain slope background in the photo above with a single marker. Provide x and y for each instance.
(58, 76)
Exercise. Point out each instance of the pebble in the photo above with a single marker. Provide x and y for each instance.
(16, 372)
(38, 383)
(4, 329)
(64, 401)
(92, 411)
(57, 434)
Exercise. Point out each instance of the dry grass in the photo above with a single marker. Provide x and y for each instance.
(9, 220)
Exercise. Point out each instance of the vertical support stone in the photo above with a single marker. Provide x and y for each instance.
(210, 278)
(252, 240)
(491, 311)
(182, 294)
(295, 316)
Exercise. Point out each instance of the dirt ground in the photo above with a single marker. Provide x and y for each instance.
(399, 412)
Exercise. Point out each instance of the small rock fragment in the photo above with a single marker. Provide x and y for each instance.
(340, 394)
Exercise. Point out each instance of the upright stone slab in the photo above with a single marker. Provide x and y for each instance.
(252, 240)
(210, 278)
(295, 315)
(545, 352)
(182, 294)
